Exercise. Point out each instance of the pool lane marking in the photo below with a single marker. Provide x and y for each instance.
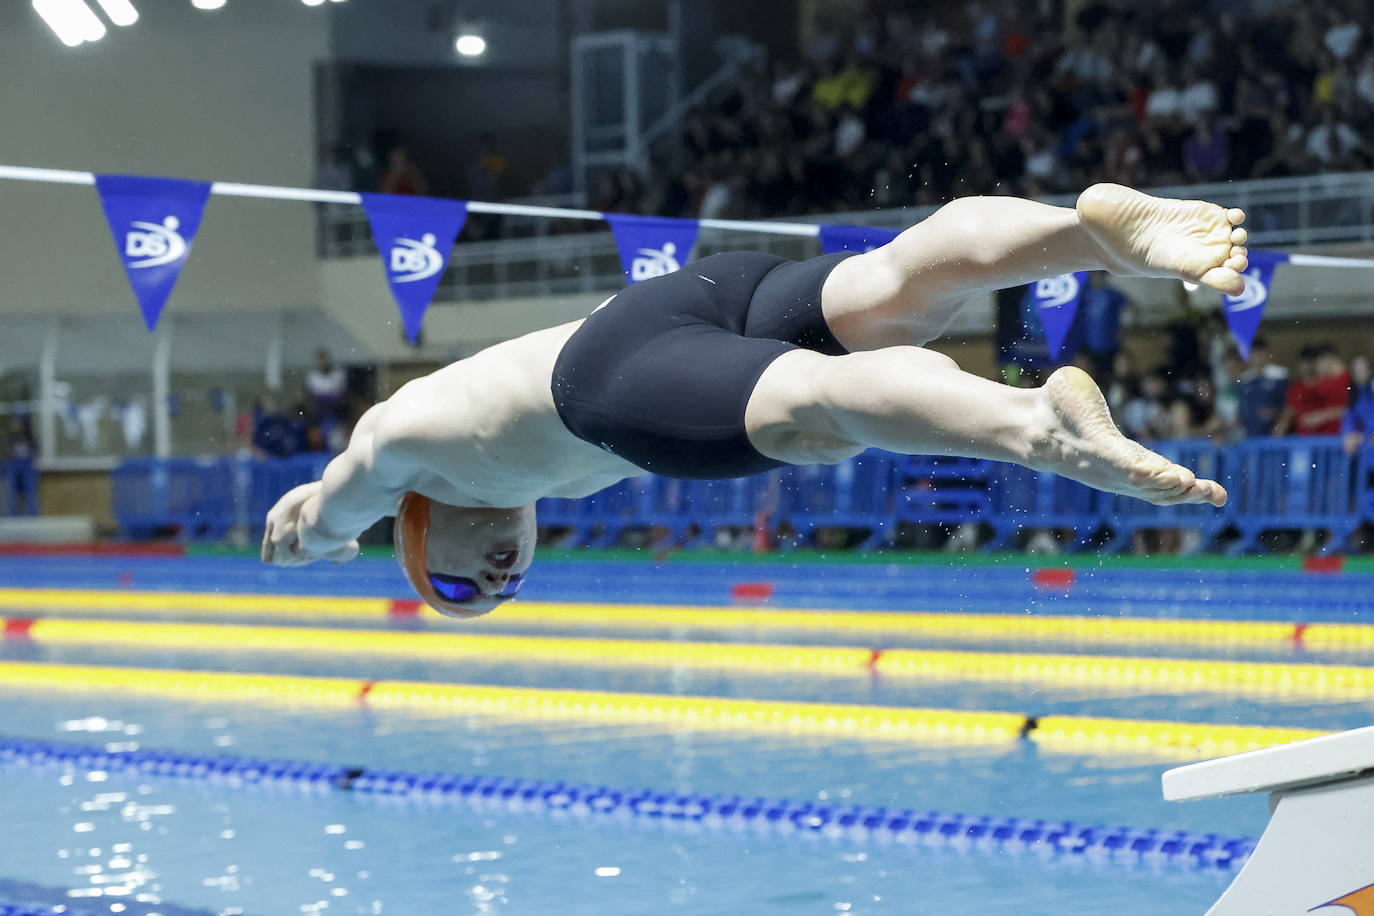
(1172, 740)
(936, 625)
(1346, 681)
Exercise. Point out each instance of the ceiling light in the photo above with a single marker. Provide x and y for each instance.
(207, 4)
(121, 12)
(470, 45)
(312, 2)
(71, 20)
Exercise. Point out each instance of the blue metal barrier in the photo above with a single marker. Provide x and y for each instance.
(1308, 483)
(203, 498)
(1299, 483)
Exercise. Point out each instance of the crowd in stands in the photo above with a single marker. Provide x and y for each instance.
(320, 421)
(923, 104)
(1203, 388)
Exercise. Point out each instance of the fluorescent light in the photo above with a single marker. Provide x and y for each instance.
(71, 20)
(207, 4)
(470, 45)
(312, 2)
(121, 12)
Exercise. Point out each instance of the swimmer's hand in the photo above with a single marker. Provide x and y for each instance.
(293, 536)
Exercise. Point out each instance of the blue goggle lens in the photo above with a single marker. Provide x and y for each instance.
(461, 588)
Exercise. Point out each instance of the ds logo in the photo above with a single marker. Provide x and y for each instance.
(1053, 292)
(653, 262)
(413, 260)
(153, 244)
(1254, 296)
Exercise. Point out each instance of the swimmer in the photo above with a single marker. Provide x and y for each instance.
(743, 362)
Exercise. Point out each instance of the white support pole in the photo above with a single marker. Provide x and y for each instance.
(47, 392)
(276, 344)
(162, 388)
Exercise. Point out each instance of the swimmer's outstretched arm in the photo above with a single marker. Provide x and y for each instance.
(322, 520)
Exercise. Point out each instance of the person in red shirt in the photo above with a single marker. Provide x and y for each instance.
(1318, 399)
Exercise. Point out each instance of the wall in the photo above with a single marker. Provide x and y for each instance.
(221, 95)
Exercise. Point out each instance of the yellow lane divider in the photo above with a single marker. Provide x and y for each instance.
(942, 726)
(926, 625)
(1118, 671)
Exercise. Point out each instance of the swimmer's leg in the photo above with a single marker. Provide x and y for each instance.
(909, 290)
(810, 408)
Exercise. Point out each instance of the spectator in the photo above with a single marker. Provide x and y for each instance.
(487, 171)
(1317, 400)
(275, 435)
(325, 384)
(1144, 416)
(1262, 392)
(20, 478)
(1332, 142)
(402, 176)
(1357, 426)
(1207, 151)
(1100, 312)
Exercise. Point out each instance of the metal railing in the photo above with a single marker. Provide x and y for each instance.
(536, 256)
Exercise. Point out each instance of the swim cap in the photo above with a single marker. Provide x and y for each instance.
(412, 539)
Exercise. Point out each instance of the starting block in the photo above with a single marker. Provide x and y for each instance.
(1317, 854)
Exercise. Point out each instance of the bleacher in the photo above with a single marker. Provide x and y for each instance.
(1275, 484)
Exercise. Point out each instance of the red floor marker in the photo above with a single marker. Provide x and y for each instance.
(752, 591)
(1053, 578)
(17, 627)
(1299, 631)
(1332, 564)
(403, 607)
(365, 689)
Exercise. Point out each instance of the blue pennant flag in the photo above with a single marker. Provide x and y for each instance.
(154, 221)
(415, 236)
(838, 238)
(1243, 312)
(1056, 298)
(651, 246)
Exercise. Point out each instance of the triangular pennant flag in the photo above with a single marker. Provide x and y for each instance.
(415, 236)
(1244, 312)
(651, 246)
(837, 238)
(1056, 299)
(154, 221)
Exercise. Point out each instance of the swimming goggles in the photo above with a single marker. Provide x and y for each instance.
(461, 588)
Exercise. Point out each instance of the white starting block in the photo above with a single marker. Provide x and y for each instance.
(1317, 854)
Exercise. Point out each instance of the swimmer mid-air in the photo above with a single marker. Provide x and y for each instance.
(743, 362)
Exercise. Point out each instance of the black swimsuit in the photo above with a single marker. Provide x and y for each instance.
(661, 374)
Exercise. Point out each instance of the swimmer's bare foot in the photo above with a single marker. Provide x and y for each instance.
(1080, 441)
(1148, 236)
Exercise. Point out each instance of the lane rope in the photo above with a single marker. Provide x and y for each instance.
(930, 625)
(1266, 678)
(1117, 845)
(1172, 740)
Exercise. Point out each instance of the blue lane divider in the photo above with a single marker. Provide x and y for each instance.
(20, 909)
(1125, 845)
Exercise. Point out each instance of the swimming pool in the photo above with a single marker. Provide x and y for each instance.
(104, 838)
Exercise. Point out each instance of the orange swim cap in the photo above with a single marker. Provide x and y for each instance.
(412, 538)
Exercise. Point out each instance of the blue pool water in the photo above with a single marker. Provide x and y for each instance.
(117, 842)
